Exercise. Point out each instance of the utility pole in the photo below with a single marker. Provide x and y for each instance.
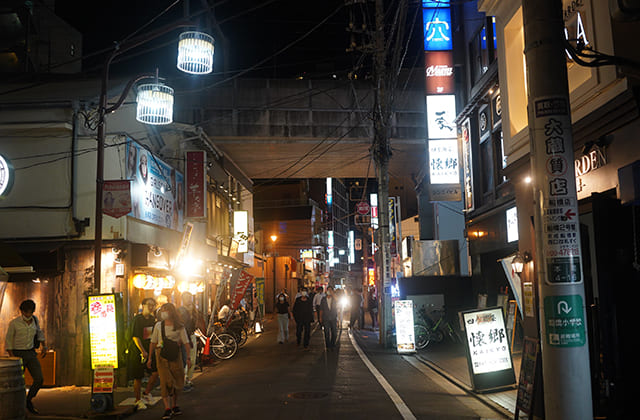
(387, 56)
(558, 263)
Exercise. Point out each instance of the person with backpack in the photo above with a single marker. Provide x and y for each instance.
(166, 339)
(139, 342)
(24, 336)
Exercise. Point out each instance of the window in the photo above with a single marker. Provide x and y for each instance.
(486, 165)
(516, 77)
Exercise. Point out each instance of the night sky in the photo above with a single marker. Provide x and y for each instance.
(254, 30)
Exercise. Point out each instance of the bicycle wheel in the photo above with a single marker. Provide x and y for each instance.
(225, 346)
(422, 336)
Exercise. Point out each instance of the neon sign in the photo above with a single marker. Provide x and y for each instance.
(437, 29)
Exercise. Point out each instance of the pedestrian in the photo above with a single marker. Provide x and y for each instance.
(329, 318)
(189, 315)
(355, 308)
(138, 356)
(167, 338)
(303, 315)
(373, 309)
(283, 313)
(24, 335)
(317, 298)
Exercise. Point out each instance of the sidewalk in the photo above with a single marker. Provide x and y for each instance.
(451, 362)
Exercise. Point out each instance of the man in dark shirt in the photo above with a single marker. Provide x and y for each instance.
(139, 352)
(303, 315)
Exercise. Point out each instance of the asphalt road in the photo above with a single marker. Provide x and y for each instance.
(356, 380)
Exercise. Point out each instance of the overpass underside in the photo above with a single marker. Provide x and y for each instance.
(310, 128)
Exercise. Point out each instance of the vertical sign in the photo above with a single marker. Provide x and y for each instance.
(195, 179)
(467, 168)
(405, 335)
(241, 229)
(439, 72)
(103, 337)
(559, 204)
(393, 228)
(244, 279)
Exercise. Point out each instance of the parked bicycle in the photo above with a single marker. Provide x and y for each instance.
(434, 328)
(223, 346)
(238, 327)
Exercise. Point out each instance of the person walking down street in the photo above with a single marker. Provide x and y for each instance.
(167, 338)
(329, 318)
(303, 315)
(190, 318)
(24, 335)
(373, 310)
(141, 329)
(355, 303)
(317, 298)
(283, 314)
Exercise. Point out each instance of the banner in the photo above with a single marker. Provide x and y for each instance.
(241, 287)
(116, 198)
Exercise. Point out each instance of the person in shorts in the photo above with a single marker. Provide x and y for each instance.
(142, 327)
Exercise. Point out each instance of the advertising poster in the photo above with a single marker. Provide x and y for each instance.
(116, 198)
(103, 338)
(488, 350)
(157, 189)
(405, 336)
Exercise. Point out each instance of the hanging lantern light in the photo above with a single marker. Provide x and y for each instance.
(155, 104)
(195, 53)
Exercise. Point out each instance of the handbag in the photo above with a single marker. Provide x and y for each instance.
(170, 349)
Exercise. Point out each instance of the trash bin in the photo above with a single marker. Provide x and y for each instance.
(12, 390)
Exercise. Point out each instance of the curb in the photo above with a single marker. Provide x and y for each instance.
(487, 401)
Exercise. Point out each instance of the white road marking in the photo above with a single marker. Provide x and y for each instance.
(405, 412)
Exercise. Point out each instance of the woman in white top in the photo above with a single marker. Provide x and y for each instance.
(171, 372)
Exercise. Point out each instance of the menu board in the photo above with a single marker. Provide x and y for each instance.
(527, 382)
(405, 335)
(103, 331)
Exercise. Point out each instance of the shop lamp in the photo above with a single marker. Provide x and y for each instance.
(195, 53)
(518, 262)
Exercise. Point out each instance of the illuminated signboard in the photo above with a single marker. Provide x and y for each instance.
(6, 176)
(435, 3)
(437, 29)
(443, 162)
(103, 337)
(157, 189)
(405, 336)
(512, 224)
(467, 166)
(241, 229)
(441, 116)
(488, 350)
(439, 72)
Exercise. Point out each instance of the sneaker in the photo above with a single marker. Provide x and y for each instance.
(176, 411)
(167, 414)
(186, 388)
(147, 398)
(140, 405)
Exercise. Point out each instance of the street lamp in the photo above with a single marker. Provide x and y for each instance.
(155, 103)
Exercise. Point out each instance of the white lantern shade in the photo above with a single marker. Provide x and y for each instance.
(195, 53)
(155, 104)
